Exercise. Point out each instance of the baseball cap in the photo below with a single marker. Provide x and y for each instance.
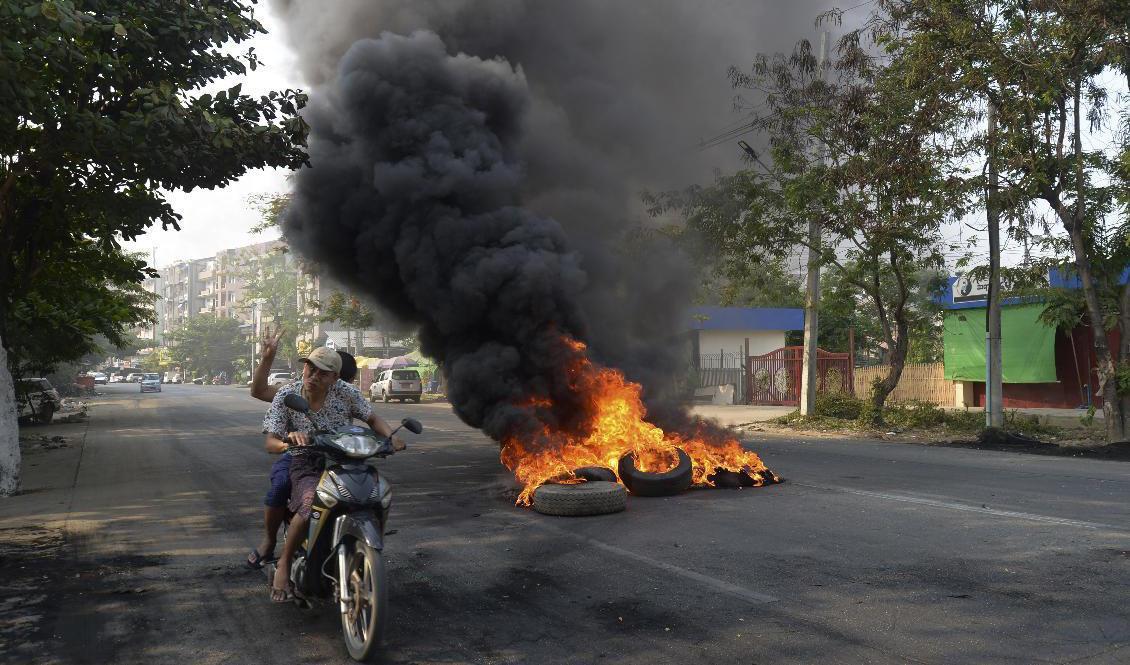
(324, 358)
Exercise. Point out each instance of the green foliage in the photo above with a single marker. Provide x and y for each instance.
(964, 421)
(914, 414)
(839, 405)
(348, 311)
(208, 344)
(1044, 70)
(845, 147)
(1088, 419)
(159, 360)
(271, 207)
(284, 297)
(84, 296)
(101, 117)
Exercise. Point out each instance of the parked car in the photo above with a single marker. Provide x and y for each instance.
(279, 378)
(115, 378)
(132, 376)
(99, 378)
(37, 399)
(398, 384)
(150, 382)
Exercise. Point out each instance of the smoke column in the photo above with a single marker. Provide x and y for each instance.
(424, 146)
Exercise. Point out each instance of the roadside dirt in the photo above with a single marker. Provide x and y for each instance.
(1072, 444)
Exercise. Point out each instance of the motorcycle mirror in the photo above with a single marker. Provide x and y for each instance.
(413, 425)
(296, 402)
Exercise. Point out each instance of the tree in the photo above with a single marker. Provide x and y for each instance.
(853, 153)
(84, 297)
(159, 360)
(350, 313)
(283, 296)
(1041, 65)
(207, 344)
(100, 117)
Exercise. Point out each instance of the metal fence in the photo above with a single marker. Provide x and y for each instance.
(714, 376)
(721, 360)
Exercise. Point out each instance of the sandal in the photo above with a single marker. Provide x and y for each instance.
(255, 560)
(282, 595)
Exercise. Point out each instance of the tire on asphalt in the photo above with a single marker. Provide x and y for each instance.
(590, 498)
(667, 483)
(364, 631)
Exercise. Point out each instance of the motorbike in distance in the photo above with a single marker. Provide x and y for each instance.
(341, 558)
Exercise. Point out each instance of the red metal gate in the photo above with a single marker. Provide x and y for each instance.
(774, 378)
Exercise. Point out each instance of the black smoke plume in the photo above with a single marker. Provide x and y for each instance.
(411, 197)
(421, 157)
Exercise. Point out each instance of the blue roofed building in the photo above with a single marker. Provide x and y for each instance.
(719, 334)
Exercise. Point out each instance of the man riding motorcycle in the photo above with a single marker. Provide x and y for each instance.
(275, 501)
(331, 406)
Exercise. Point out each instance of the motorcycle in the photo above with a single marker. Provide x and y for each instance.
(341, 557)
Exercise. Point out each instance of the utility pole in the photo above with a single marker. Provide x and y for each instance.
(994, 386)
(812, 292)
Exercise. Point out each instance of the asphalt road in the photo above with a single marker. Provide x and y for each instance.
(130, 551)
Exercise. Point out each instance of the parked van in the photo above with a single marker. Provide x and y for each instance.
(398, 384)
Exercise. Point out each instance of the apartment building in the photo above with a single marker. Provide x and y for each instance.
(217, 285)
(212, 285)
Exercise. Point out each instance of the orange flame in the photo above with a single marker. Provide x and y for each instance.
(617, 428)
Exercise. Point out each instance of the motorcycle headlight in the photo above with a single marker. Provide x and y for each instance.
(356, 445)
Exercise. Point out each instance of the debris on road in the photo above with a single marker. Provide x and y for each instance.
(71, 409)
(45, 442)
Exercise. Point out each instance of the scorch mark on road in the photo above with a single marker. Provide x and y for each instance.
(714, 583)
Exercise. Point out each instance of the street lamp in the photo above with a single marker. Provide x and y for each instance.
(748, 150)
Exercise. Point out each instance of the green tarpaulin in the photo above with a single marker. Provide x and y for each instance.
(1027, 345)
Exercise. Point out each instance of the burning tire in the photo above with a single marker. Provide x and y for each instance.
(667, 483)
(724, 479)
(593, 473)
(589, 498)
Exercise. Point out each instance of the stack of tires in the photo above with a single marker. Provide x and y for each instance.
(600, 494)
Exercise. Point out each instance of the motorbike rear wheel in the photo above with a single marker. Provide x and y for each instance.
(363, 625)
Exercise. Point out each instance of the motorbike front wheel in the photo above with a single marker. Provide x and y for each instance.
(363, 624)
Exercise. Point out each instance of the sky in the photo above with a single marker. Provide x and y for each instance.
(214, 220)
(219, 219)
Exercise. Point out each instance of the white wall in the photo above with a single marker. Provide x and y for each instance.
(733, 341)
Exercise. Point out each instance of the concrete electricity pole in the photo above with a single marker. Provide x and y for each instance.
(812, 293)
(994, 386)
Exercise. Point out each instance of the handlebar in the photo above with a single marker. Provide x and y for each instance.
(314, 446)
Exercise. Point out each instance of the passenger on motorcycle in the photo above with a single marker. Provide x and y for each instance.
(331, 406)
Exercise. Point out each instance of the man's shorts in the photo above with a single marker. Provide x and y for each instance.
(279, 493)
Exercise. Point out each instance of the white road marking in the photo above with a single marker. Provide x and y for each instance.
(964, 507)
(714, 583)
